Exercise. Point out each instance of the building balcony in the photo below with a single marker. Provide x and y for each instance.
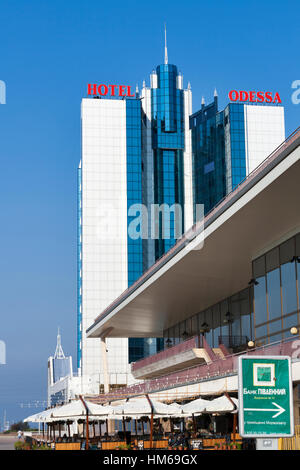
(192, 352)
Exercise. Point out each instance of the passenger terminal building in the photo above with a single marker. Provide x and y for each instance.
(158, 313)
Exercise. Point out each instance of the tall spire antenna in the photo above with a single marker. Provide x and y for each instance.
(166, 50)
(59, 354)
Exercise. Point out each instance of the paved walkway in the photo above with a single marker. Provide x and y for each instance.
(7, 442)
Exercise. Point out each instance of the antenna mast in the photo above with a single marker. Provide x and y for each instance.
(59, 354)
(166, 50)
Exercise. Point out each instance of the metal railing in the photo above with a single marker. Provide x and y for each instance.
(233, 341)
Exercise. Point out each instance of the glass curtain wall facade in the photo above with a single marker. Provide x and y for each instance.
(134, 185)
(235, 150)
(208, 153)
(137, 347)
(227, 145)
(168, 144)
(265, 311)
(276, 292)
(229, 322)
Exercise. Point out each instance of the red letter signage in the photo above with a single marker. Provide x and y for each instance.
(113, 90)
(254, 96)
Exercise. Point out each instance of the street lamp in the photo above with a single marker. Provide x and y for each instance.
(294, 330)
(204, 328)
(185, 335)
(228, 318)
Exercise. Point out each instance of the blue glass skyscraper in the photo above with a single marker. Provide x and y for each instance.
(208, 151)
(166, 155)
(168, 146)
(227, 145)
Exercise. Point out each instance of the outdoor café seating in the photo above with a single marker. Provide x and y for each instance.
(198, 424)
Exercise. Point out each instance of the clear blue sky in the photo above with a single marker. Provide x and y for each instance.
(50, 50)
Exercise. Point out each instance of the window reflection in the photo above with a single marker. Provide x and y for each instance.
(289, 322)
(260, 301)
(275, 326)
(261, 331)
(274, 296)
(275, 338)
(265, 311)
(289, 293)
(245, 314)
(216, 324)
(209, 336)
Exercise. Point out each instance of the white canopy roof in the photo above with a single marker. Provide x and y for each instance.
(31, 419)
(218, 405)
(195, 407)
(134, 409)
(73, 410)
(222, 405)
(141, 407)
(76, 410)
(41, 417)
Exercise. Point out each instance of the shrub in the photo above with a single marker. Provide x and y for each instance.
(19, 445)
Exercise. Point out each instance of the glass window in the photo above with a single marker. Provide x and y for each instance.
(275, 327)
(260, 301)
(172, 336)
(195, 328)
(176, 334)
(261, 331)
(251, 305)
(201, 321)
(272, 259)
(289, 322)
(289, 293)
(188, 328)
(216, 324)
(275, 338)
(259, 267)
(274, 295)
(209, 334)
(235, 315)
(287, 251)
(225, 316)
(183, 331)
(245, 314)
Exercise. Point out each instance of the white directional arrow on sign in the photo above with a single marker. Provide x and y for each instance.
(277, 410)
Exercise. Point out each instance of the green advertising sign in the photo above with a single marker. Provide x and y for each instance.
(265, 396)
